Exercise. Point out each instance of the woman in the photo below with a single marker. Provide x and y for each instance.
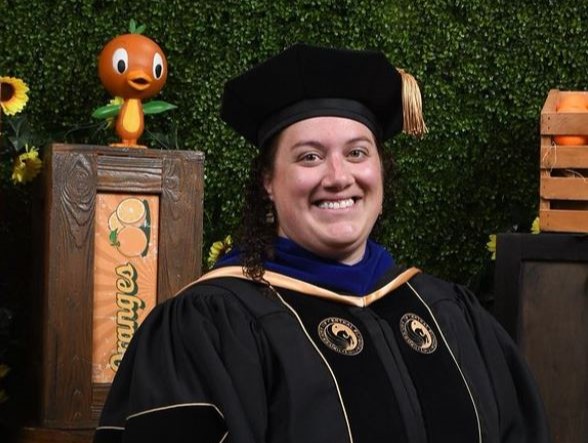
(309, 332)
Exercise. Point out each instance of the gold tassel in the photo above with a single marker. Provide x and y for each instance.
(412, 106)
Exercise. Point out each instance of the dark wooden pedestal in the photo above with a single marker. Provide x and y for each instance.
(542, 300)
(78, 179)
(46, 435)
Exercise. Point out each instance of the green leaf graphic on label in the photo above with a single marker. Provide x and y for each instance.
(146, 227)
(113, 237)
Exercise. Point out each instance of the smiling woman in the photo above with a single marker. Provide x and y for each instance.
(307, 331)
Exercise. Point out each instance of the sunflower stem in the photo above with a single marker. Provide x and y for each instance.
(0, 117)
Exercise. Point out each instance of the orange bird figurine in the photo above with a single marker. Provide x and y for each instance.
(133, 67)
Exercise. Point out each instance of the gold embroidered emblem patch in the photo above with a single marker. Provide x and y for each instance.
(417, 334)
(340, 335)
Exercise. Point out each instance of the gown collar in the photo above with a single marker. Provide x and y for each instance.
(292, 260)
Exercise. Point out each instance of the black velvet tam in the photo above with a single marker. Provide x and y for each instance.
(306, 81)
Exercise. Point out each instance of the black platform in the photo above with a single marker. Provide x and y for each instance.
(541, 290)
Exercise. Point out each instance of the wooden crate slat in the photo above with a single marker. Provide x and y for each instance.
(178, 199)
(550, 102)
(68, 359)
(564, 123)
(559, 220)
(134, 174)
(556, 157)
(44, 435)
(99, 394)
(564, 188)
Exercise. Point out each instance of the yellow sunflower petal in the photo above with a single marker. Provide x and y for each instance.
(218, 249)
(114, 101)
(491, 245)
(535, 228)
(26, 166)
(4, 370)
(13, 95)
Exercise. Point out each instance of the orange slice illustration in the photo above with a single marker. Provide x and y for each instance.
(114, 224)
(132, 241)
(131, 211)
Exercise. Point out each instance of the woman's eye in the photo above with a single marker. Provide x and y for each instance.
(310, 157)
(357, 153)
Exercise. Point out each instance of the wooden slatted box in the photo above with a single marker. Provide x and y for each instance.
(564, 169)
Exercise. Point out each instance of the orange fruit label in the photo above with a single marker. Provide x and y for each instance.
(125, 275)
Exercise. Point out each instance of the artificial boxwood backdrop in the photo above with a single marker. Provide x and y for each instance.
(485, 67)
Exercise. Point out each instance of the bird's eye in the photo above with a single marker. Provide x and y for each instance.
(157, 65)
(120, 60)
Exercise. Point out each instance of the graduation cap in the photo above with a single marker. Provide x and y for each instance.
(307, 81)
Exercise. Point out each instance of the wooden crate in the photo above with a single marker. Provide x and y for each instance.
(564, 169)
(78, 181)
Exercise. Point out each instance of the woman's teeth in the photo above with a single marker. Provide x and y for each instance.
(340, 204)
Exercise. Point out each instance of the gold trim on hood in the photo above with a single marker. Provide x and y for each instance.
(283, 281)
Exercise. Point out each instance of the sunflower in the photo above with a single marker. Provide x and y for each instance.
(218, 249)
(117, 101)
(491, 245)
(13, 95)
(535, 227)
(26, 166)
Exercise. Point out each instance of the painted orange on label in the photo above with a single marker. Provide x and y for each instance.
(125, 275)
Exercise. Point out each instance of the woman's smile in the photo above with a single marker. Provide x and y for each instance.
(338, 204)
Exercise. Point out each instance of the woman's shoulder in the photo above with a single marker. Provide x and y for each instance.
(206, 310)
(224, 292)
(435, 290)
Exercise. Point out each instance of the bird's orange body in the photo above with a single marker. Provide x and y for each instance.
(133, 67)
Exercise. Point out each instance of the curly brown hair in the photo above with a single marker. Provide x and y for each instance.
(257, 231)
(258, 228)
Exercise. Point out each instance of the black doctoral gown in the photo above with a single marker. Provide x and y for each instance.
(417, 361)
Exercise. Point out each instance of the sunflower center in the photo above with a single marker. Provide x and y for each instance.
(6, 91)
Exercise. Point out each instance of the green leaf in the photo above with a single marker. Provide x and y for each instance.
(134, 29)
(17, 143)
(113, 237)
(146, 227)
(147, 223)
(157, 106)
(107, 111)
(19, 124)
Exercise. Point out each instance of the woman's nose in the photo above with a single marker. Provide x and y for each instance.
(338, 174)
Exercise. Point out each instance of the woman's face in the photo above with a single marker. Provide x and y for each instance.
(326, 185)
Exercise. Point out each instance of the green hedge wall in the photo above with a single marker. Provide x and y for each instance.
(485, 68)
